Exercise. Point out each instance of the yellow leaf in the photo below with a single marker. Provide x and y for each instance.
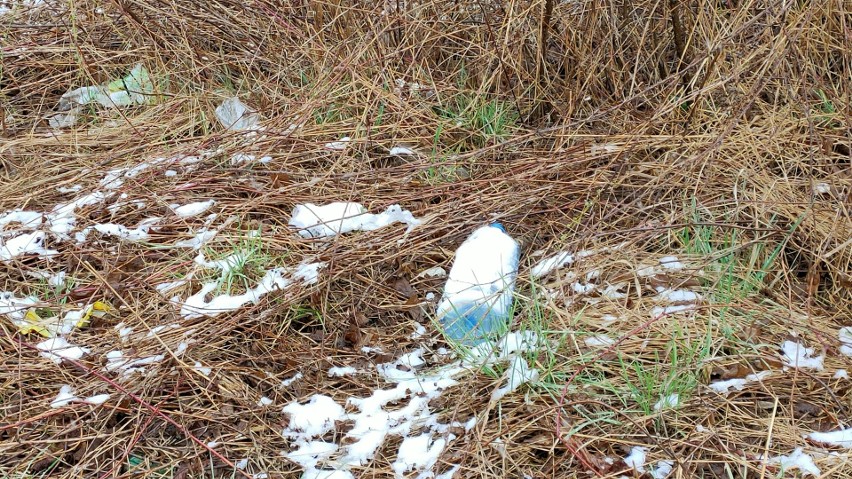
(33, 324)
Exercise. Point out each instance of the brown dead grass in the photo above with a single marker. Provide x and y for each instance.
(627, 134)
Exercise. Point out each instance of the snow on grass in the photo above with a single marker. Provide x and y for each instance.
(402, 410)
(287, 382)
(519, 373)
(65, 397)
(244, 158)
(312, 221)
(845, 337)
(140, 233)
(198, 305)
(205, 371)
(841, 438)
(841, 374)
(796, 460)
(56, 349)
(663, 469)
(418, 453)
(433, 272)
(667, 402)
(116, 361)
(599, 341)
(671, 263)
(25, 219)
(545, 266)
(636, 459)
(25, 244)
(97, 399)
(192, 209)
(401, 151)
(658, 311)
(199, 239)
(677, 295)
(341, 371)
(338, 145)
(724, 387)
(798, 356)
(314, 418)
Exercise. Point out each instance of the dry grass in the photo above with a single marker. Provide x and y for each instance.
(706, 141)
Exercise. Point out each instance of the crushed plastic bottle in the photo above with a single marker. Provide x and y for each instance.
(478, 297)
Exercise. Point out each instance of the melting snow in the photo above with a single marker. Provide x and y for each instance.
(663, 469)
(287, 382)
(667, 402)
(671, 263)
(197, 305)
(117, 362)
(796, 460)
(57, 349)
(315, 221)
(599, 341)
(518, 373)
(26, 219)
(798, 356)
(193, 209)
(845, 336)
(842, 438)
(28, 243)
(545, 266)
(724, 387)
(400, 151)
(65, 397)
(636, 459)
(338, 145)
(339, 372)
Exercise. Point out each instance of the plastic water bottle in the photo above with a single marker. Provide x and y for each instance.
(478, 295)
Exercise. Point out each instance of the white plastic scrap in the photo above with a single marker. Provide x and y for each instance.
(134, 89)
(798, 356)
(796, 460)
(314, 221)
(235, 115)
